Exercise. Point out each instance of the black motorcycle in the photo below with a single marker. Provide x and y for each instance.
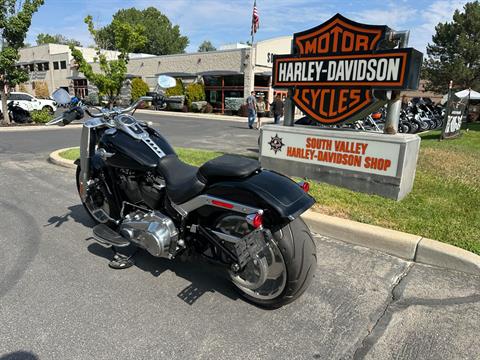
(18, 114)
(230, 210)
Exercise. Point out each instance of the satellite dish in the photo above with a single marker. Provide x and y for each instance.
(165, 81)
(61, 96)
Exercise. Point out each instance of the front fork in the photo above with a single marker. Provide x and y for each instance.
(87, 150)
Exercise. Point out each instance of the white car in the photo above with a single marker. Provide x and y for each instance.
(30, 103)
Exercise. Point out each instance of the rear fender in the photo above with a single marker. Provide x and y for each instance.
(285, 198)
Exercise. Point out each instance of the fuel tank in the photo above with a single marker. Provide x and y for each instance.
(131, 153)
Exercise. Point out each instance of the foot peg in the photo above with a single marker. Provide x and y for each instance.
(103, 234)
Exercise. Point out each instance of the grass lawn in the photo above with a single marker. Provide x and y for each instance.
(444, 204)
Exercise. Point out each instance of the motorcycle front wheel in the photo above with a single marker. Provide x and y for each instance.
(98, 204)
(283, 271)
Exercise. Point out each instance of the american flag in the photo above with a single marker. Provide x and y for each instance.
(255, 19)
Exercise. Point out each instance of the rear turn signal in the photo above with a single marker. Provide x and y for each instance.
(256, 220)
(305, 186)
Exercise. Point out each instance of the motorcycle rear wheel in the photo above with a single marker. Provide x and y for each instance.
(290, 259)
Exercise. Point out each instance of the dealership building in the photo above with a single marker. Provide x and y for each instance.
(231, 72)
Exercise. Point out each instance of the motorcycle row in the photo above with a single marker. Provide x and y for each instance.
(418, 115)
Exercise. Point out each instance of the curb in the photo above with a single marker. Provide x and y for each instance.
(55, 158)
(407, 246)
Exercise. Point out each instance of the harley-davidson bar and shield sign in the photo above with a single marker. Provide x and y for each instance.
(342, 71)
(337, 66)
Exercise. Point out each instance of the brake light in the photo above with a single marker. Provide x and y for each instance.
(305, 186)
(256, 220)
(222, 204)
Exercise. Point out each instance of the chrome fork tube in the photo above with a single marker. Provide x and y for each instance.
(87, 149)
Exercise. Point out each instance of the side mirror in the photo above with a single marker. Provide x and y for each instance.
(61, 96)
(165, 81)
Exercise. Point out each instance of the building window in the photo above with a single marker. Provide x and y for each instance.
(46, 66)
(40, 67)
(63, 64)
(55, 65)
(31, 67)
(80, 88)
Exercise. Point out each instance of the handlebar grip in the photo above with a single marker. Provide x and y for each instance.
(173, 101)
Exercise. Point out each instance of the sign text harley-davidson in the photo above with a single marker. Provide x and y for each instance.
(337, 66)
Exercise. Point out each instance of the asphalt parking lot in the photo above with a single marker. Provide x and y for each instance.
(59, 299)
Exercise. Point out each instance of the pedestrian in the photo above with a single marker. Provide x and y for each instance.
(277, 108)
(261, 109)
(252, 109)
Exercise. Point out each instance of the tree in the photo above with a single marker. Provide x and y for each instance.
(455, 52)
(206, 46)
(163, 37)
(112, 73)
(56, 39)
(15, 25)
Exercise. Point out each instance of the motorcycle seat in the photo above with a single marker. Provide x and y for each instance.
(228, 166)
(185, 181)
(181, 179)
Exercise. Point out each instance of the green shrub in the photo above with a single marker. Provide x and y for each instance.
(92, 99)
(194, 92)
(139, 88)
(41, 116)
(177, 90)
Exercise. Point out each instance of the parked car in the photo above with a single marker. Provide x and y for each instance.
(30, 103)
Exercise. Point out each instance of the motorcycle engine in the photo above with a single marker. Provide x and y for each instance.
(152, 231)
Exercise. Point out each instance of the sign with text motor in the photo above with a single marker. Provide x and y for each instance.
(338, 67)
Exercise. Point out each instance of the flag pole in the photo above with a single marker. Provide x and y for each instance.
(252, 33)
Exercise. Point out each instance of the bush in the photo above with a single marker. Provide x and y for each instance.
(194, 92)
(41, 116)
(243, 110)
(177, 90)
(92, 99)
(41, 90)
(139, 88)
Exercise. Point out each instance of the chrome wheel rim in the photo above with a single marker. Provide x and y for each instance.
(265, 276)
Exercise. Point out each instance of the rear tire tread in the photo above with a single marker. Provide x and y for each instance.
(298, 249)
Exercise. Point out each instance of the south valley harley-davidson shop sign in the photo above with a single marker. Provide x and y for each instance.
(336, 67)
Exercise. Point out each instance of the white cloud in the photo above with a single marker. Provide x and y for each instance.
(437, 12)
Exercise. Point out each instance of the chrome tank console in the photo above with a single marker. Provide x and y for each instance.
(130, 125)
(151, 231)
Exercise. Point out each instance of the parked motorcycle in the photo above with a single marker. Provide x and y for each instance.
(18, 114)
(230, 210)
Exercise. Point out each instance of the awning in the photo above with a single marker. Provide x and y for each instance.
(219, 73)
(468, 94)
(177, 74)
(264, 73)
(76, 77)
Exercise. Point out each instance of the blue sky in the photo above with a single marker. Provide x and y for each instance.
(228, 21)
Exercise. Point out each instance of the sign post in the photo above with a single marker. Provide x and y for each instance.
(342, 71)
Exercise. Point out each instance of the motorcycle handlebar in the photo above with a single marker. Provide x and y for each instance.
(77, 113)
